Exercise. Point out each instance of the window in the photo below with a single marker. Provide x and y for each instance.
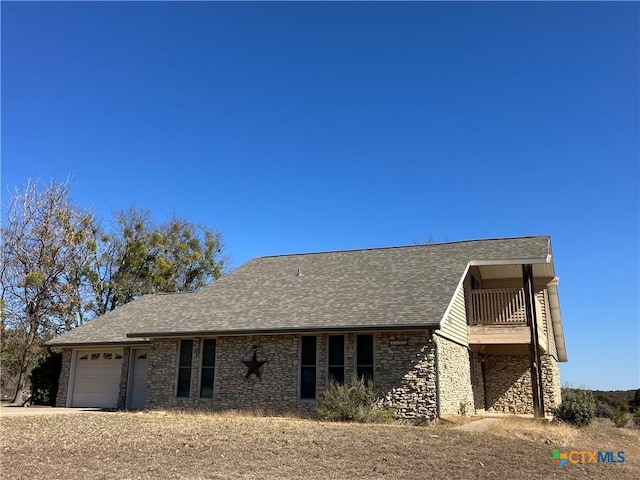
(184, 368)
(364, 356)
(308, 367)
(208, 367)
(336, 358)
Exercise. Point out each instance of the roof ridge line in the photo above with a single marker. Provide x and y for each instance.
(347, 250)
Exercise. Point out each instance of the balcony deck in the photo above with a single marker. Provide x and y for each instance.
(497, 317)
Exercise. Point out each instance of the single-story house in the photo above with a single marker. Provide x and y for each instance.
(439, 329)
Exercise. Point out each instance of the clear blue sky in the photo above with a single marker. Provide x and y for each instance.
(295, 127)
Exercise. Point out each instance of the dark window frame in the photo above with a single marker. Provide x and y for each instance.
(306, 392)
(361, 366)
(207, 367)
(184, 370)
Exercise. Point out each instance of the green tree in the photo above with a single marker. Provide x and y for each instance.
(141, 257)
(60, 268)
(44, 244)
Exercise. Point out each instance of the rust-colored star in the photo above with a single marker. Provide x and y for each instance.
(253, 365)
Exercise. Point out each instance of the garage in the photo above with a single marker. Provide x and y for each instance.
(138, 378)
(96, 381)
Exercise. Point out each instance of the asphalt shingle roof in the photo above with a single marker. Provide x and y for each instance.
(374, 288)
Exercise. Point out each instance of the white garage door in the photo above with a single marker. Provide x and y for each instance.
(97, 379)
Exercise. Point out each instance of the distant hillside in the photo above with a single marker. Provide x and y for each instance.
(625, 399)
(621, 398)
(626, 395)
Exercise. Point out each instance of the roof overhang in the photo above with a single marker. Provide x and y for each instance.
(556, 319)
(512, 268)
(512, 261)
(132, 343)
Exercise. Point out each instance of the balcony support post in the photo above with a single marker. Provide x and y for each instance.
(532, 322)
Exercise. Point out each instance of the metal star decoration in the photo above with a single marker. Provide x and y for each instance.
(253, 365)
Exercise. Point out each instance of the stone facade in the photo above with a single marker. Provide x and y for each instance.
(403, 368)
(507, 383)
(124, 378)
(551, 383)
(63, 381)
(276, 392)
(418, 374)
(477, 381)
(416, 396)
(454, 377)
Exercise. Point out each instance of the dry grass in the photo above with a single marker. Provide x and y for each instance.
(200, 446)
(527, 429)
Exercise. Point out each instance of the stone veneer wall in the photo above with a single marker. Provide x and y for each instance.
(454, 377)
(63, 381)
(415, 397)
(403, 368)
(124, 378)
(477, 381)
(275, 392)
(508, 383)
(551, 382)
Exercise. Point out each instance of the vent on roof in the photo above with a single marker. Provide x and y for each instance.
(299, 274)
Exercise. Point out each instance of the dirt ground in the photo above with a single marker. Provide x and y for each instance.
(198, 446)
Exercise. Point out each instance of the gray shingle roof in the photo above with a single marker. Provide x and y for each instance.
(375, 288)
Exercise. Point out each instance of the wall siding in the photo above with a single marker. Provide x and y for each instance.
(455, 326)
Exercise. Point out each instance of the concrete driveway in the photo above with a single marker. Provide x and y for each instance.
(40, 410)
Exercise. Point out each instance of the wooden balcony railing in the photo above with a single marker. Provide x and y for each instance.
(498, 306)
(497, 317)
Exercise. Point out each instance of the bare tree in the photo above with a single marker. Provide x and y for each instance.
(59, 268)
(45, 244)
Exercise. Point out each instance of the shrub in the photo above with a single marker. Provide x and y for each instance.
(619, 417)
(44, 379)
(603, 410)
(636, 418)
(462, 409)
(352, 402)
(577, 407)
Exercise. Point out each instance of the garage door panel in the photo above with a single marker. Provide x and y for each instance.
(97, 379)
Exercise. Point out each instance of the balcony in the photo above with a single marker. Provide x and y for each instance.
(497, 317)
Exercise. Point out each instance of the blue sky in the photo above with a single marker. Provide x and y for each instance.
(295, 127)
